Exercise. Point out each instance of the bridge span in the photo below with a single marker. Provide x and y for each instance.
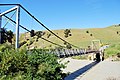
(62, 53)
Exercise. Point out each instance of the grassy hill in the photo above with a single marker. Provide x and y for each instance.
(79, 37)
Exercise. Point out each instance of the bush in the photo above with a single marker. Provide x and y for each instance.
(118, 24)
(30, 42)
(6, 36)
(29, 65)
(118, 55)
(67, 33)
(22, 43)
(91, 34)
(48, 35)
(68, 46)
(87, 31)
(39, 34)
(66, 36)
(113, 50)
(5, 46)
(117, 32)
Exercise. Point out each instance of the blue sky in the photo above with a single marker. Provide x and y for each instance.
(62, 14)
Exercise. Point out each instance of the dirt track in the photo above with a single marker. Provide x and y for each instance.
(89, 70)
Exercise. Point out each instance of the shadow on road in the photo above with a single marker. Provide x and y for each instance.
(79, 72)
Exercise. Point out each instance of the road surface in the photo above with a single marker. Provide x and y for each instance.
(90, 70)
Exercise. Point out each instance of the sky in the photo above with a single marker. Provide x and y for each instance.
(67, 14)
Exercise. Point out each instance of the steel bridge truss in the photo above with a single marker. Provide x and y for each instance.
(17, 22)
(3, 14)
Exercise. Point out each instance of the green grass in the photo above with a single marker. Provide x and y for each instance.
(81, 57)
(113, 50)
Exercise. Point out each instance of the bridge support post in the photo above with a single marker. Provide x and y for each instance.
(98, 56)
(17, 26)
(102, 56)
(0, 26)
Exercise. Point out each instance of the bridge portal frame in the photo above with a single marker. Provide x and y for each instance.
(39, 22)
(17, 8)
(94, 45)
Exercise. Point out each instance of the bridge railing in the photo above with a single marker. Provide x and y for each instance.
(70, 52)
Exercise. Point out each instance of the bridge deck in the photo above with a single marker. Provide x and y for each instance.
(71, 52)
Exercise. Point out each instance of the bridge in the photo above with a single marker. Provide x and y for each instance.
(64, 52)
(71, 52)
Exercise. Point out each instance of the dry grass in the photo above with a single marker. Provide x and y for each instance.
(81, 38)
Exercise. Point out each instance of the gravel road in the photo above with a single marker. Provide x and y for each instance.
(89, 70)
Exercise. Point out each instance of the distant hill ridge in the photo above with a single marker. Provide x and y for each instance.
(78, 37)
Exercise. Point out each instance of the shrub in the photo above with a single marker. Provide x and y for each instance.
(118, 55)
(117, 32)
(36, 40)
(39, 34)
(65, 43)
(67, 33)
(87, 31)
(6, 36)
(32, 33)
(91, 34)
(113, 50)
(68, 46)
(22, 43)
(29, 65)
(5, 46)
(30, 42)
(13, 63)
(118, 24)
(48, 35)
